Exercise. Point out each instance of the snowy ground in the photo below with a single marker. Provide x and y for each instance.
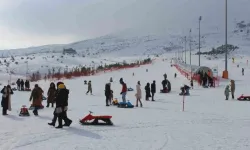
(208, 122)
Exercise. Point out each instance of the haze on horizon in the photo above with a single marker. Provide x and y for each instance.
(25, 23)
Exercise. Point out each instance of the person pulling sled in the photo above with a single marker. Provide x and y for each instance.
(36, 96)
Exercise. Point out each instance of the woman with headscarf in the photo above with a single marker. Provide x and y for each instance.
(51, 94)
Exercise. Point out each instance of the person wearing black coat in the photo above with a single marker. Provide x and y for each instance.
(22, 85)
(108, 93)
(6, 91)
(147, 90)
(27, 84)
(153, 90)
(61, 107)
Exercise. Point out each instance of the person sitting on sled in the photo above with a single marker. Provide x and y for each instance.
(185, 90)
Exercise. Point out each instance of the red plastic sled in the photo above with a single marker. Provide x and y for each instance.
(243, 98)
(105, 120)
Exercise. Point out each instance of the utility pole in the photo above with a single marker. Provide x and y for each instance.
(226, 38)
(200, 40)
(225, 72)
(190, 42)
(185, 49)
(190, 54)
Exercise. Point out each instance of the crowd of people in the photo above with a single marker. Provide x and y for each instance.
(22, 86)
(57, 95)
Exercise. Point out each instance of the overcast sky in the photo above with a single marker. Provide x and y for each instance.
(25, 23)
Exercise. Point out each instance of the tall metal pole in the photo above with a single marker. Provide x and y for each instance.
(199, 41)
(226, 37)
(190, 59)
(185, 49)
(190, 55)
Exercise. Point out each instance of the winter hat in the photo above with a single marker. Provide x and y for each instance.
(58, 83)
(61, 86)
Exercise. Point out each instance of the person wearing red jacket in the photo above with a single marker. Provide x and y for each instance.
(124, 90)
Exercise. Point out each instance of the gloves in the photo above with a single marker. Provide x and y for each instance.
(58, 110)
(65, 108)
(121, 93)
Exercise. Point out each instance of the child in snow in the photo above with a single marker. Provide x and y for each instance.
(226, 92)
(138, 94)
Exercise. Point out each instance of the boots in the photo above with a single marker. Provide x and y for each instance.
(68, 123)
(47, 105)
(5, 112)
(60, 123)
(51, 124)
(35, 112)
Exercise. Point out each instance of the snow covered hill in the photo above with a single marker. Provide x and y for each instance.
(156, 37)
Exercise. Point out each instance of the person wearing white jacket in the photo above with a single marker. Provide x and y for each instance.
(138, 93)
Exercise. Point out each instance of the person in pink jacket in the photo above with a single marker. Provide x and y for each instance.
(138, 93)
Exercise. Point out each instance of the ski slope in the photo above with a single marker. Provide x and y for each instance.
(208, 122)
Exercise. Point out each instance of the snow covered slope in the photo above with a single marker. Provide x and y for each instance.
(161, 31)
(208, 122)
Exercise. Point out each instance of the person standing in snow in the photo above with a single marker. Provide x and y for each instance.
(18, 82)
(124, 90)
(232, 88)
(36, 96)
(226, 92)
(22, 85)
(138, 94)
(51, 94)
(147, 90)
(27, 85)
(153, 90)
(108, 93)
(89, 88)
(242, 71)
(192, 83)
(6, 99)
(61, 106)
